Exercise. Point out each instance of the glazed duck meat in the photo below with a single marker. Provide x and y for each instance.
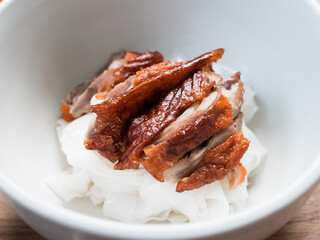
(145, 128)
(180, 121)
(115, 114)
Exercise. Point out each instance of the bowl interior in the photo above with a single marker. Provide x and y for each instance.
(48, 48)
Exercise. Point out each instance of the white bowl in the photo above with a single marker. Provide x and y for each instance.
(47, 47)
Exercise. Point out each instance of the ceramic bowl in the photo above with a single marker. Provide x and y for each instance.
(47, 47)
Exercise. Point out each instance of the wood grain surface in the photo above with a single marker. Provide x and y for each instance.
(304, 226)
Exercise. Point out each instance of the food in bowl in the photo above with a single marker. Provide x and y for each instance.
(154, 140)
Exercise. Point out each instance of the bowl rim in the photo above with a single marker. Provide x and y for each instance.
(111, 228)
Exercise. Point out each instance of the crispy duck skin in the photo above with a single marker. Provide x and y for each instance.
(187, 135)
(145, 128)
(217, 163)
(154, 71)
(236, 176)
(114, 115)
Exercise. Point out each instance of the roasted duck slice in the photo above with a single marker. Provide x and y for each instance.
(145, 128)
(185, 166)
(115, 114)
(121, 66)
(217, 163)
(77, 101)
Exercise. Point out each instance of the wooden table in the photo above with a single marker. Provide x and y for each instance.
(304, 226)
